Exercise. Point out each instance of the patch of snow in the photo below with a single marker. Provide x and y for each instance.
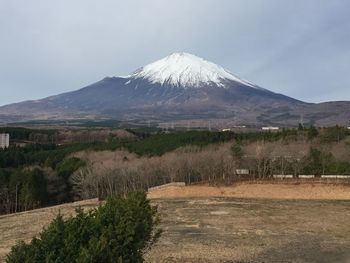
(187, 70)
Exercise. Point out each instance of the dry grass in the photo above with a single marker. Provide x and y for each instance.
(25, 225)
(200, 227)
(233, 230)
(307, 191)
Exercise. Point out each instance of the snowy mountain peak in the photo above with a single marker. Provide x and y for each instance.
(186, 70)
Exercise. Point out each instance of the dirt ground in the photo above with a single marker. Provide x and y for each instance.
(291, 190)
(252, 230)
(243, 223)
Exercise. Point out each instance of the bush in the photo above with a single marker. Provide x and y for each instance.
(334, 134)
(312, 132)
(68, 166)
(118, 231)
(237, 151)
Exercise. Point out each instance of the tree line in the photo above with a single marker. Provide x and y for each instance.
(40, 174)
(44, 174)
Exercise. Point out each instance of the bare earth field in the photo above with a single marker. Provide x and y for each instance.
(253, 230)
(243, 223)
(287, 190)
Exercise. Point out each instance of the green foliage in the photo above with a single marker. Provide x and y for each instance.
(20, 252)
(18, 184)
(266, 136)
(18, 133)
(68, 166)
(161, 143)
(118, 231)
(33, 190)
(319, 162)
(237, 151)
(14, 159)
(51, 155)
(313, 162)
(300, 127)
(312, 132)
(22, 190)
(339, 167)
(334, 134)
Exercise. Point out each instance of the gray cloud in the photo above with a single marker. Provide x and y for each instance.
(299, 48)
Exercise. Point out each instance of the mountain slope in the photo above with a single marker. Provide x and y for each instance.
(186, 70)
(178, 87)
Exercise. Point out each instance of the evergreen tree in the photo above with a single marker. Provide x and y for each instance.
(118, 231)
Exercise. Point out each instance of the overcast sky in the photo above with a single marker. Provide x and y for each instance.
(300, 48)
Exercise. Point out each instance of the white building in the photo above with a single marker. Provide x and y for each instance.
(242, 171)
(4, 140)
(270, 128)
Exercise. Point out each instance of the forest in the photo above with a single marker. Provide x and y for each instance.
(44, 174)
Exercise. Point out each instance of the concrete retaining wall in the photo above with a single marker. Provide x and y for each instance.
(281, 176)
(336, 176)
(304, 176)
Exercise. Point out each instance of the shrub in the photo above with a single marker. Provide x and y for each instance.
(69, 166)
(237, 151)
(312, 132)
(119, 231)
(333, 134)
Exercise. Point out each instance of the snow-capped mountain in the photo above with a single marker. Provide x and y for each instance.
(178, 87)
(186, 70)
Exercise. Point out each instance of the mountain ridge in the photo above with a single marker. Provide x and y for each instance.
(179, 87)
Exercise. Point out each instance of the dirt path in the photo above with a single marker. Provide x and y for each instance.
(307, 191)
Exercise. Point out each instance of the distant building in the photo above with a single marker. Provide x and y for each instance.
(242, 171)
(225, 130)
(349, 128)
(4, 140)
(270, 128)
